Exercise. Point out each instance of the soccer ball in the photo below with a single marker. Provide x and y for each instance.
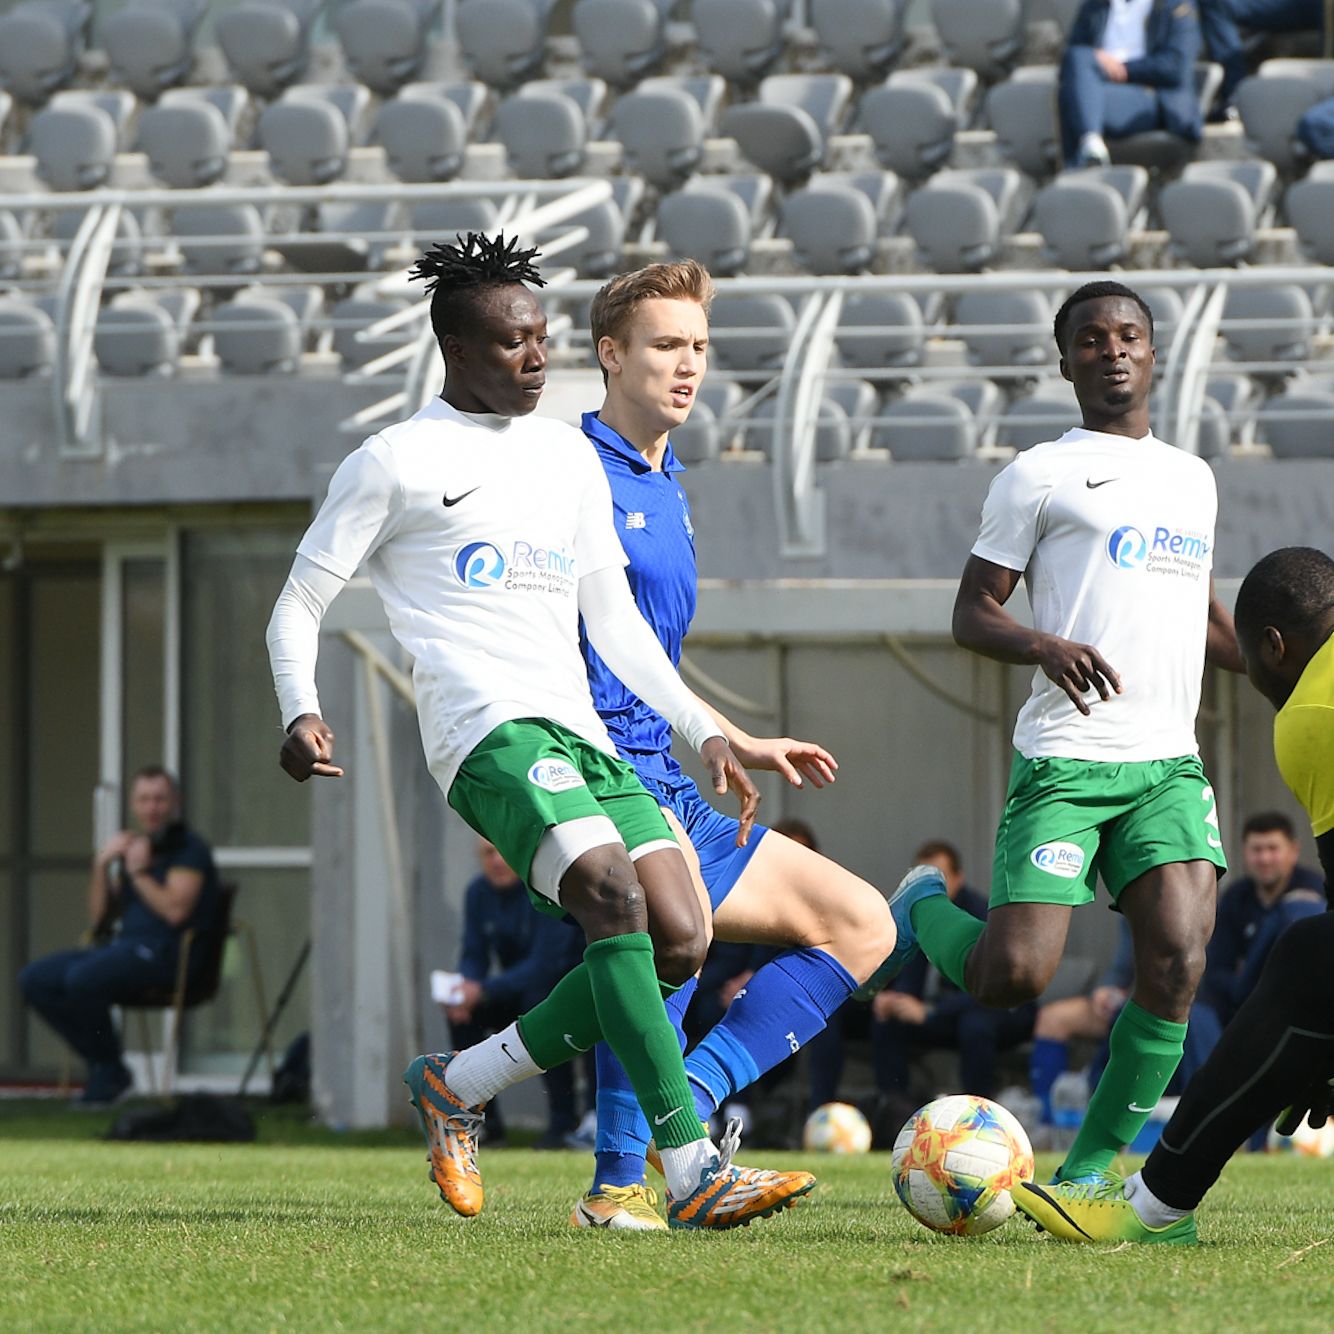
(837, 1127)
(955, 1162)
(1309, 1143)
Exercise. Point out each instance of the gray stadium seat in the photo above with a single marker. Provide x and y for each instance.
(443, 219)
(1283, 327)
(1084, 219)
(1309, 205)
(620, 40)
(983, 398)
(267, 42)
(40, 44)
(785, 133)
(708, 90)
(384, 41)
(257, 335)
(878, 329)
(589, 95)
(926, 425)
(1022, 112)
(724, 398)
(860, 38)
(882, 188)
(958, 84)
(1274, 100)
(833, 433)
(135, 336)
(958, 218)
(349, 100)
(305, 302)
(751, 333)
(912, 126)
(832, 227)
(860, 404)
(662, 132)
(127, 250)
(149, 44)
(187, 144)
(503, 41)
(229, 99)
(599, 254)
(545, 135)
(6, 106)
(984, 35)
(739, 39)
(27, 339)
(236, 238)
(698, 439)
(707, 223)
(1214, 433)
(1296, 424)
(356, 313)
(1045, 415)
(117, 103)
(366, 230)
(307, 142)
(75, 147)
(1019, 332)
(1212, 212)
(468, 95)
(424, 139)
(1167, 307)
(11, 245)
(1161, 150)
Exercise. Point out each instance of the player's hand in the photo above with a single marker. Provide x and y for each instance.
(1106, 1002)
(727, 774)
(1315, 1107)
(792, 759)
(138, 854)
(114, 848)
(899, 1006)
(1077, 668)
(308, 749)
(1113, 68)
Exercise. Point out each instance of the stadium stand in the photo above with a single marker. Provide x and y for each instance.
(384, 41)
(267, 42)
(620, 41)
(150, 44)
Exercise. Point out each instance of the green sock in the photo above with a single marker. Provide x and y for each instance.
(946, 934)
(1145, 1051)
(559, 1028)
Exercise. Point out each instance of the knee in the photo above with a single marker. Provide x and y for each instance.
(1077, 60)
(678, 952)
(864, 937)
(1011, 980)
(1175, 968)
(604, 898)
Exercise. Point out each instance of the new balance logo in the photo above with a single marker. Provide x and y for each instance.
(635, 519)
(665, 1117)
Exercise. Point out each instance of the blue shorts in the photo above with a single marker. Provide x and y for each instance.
(712, 834)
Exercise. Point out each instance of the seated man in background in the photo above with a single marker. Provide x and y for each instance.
(160, 881)
(1129, 66)
(510, 960)
(1220, 19)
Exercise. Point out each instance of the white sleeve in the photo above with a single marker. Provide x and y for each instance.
(625, 641)
(293, 636)
(358, 514)
(1011, 516)
(596, 543)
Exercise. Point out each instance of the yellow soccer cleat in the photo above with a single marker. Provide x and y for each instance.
(1095, 1211)
(619, 1208)
(451, 1131)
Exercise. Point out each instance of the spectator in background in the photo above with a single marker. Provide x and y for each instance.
(158, 880)
(1219, 20)
(1129, 67)
(510, 960)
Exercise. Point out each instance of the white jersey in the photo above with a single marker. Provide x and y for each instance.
(475, 533)
(1115, 538)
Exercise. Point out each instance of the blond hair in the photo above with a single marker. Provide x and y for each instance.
(614, 306)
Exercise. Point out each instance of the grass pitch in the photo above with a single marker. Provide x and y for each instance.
(326, 1235)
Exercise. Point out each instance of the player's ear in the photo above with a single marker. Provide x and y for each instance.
(1272, 645)
(608, 355)
(452, 349)
(1065, 370)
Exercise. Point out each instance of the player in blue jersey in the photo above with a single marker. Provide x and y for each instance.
(651, 333)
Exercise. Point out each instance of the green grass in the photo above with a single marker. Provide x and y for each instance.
(328, 1235)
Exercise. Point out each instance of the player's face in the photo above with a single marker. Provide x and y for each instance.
(503, 356)
(1109, 355)
(658, 369)
(1269, 857)
(152, 805)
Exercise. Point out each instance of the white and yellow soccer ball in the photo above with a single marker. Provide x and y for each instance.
(956, 1161)
(837, 1127)
(1308, 1142)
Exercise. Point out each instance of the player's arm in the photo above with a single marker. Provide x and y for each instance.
(1324, 846)
(1220, 644)
(982, 625)
(777, 754)
(625, 641)
(172, 898)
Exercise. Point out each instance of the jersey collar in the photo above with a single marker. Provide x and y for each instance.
(600, 433)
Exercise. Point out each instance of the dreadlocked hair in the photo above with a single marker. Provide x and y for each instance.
(454, 274)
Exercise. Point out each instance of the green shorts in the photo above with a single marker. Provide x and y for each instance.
(527, 776)
(1067, 821)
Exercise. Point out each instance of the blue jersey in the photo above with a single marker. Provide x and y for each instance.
(653, 520)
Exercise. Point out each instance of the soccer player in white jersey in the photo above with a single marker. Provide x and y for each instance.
(487, 534)
(1113, 532)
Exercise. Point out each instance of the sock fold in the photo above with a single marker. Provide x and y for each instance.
(946, 934)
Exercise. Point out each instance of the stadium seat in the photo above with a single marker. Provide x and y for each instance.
(149, 44)
(40, 45)
(357, 312)
(879, 329)
(832, 226)
(958, 218)
(708, 90)
(424, 139)
(384, 41)
(709, 223)
(882, 188)
(468, 95)
(1085, 216)
(1005, 328)
(1226, 414)
(724, 398)
(305, 302)
(697, 439)
(1161, 150)
(235, 238)
(1022, 113)
(229, 99)
(662, 133)
(1213, 434)
(620, 40)
(599, 254)
(256, 334)
(1045, 415)
(860, 404)
(1295, 424)
(1280, 323)
(1271, 103)
(983, 35)
(786, 131)
(926, 425)
(751, 333)
(503, 41)
(545, 135)
(127, 249)
(75, 146)
(833, 433)
(912, 125)
(983, 398)
(307, 142)
(361, 233)
(135, 336)
(740, 39)
(267, 42)
(442, 219)
(860, 38)
(1211, 213)
(1167, 307)
(11, 245)
(1309, 205)
(349, 100)
(117, 103)
(27, 339)
(186, 143)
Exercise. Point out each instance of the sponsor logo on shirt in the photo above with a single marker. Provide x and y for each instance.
(479, 565)
(522, 567)
(555, 776)
(1169, 551)
(1060, 859)
(1126, 548)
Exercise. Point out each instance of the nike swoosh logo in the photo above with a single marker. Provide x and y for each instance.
(571, 1043)
(667, 1116)
(1047, 1199)
(504, 1046)
(1133, 1108)
(1093, 486)
(449, 504)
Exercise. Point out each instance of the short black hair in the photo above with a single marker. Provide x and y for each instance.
(455, 274)
(1268, 822)
(1291, 589)
(939, 847)
(1092, 292)
(795, 828)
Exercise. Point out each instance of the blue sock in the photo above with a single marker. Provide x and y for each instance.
(1045, 1066)
(783, 1006)
(623, 1132)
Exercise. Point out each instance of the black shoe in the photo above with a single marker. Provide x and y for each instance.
(107, 1084)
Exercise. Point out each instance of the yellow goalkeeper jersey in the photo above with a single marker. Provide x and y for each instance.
(1304, 739)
